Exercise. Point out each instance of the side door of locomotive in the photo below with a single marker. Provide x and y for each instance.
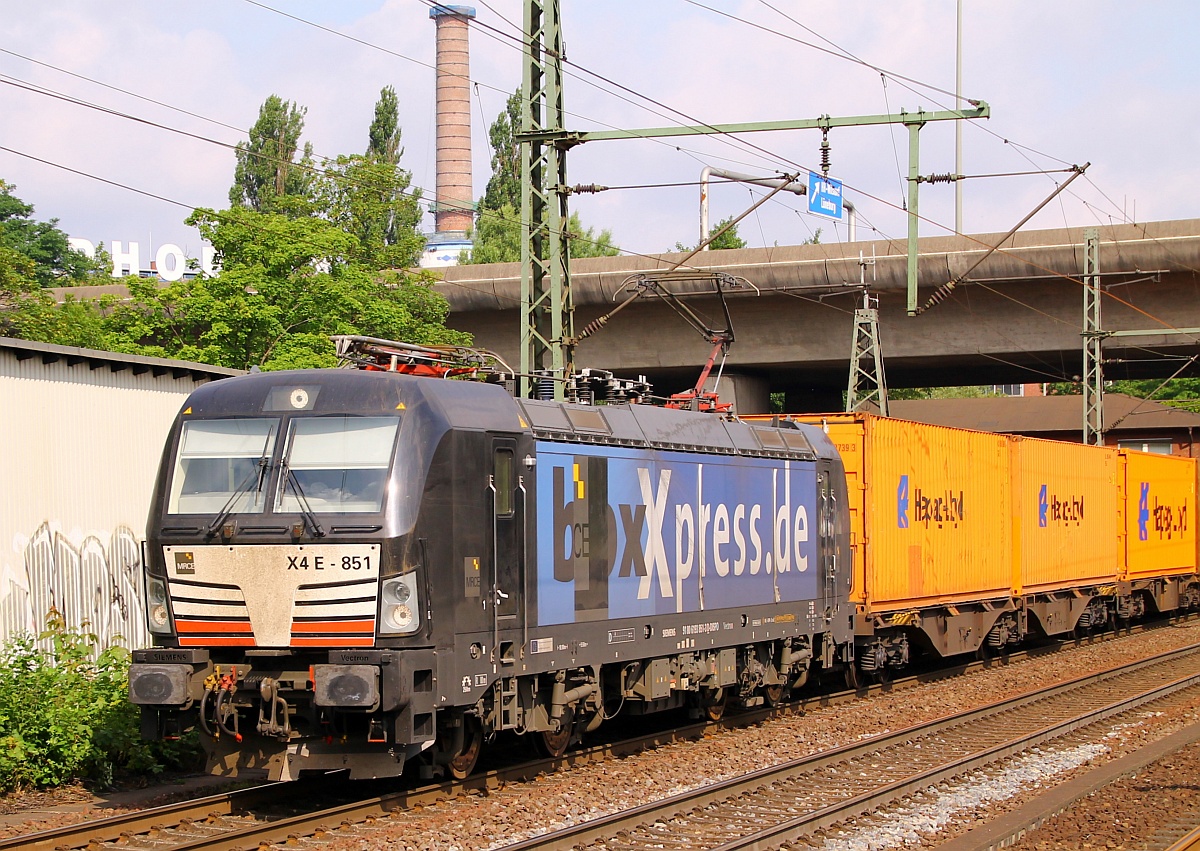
(827, 544)
(505, 577)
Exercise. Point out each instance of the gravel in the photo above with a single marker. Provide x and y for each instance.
(493, 819)
(1146, 810)
(490, 821)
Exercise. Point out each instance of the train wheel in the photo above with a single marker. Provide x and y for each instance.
(712, 703)
(463, 763)
(772, 694)
(853, 681)
(552, 745)
(882, 675)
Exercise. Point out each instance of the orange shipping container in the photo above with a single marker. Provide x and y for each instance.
(1066, 528)
(930, 511)
(1160, 515)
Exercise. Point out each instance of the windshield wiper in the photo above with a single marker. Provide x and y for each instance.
(310, 518)
(257, 476)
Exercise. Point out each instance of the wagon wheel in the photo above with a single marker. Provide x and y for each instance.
(853, 680)
(551, 744)
(463, 763)
(882, 675)
(712, 703)
(772, 694)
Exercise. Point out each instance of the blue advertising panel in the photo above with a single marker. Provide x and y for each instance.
(638, 532)
(824, 196)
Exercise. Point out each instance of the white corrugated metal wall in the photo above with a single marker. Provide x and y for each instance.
(80, 440)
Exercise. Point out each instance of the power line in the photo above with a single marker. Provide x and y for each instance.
(839, 53)
(605, 79)
(123, 91)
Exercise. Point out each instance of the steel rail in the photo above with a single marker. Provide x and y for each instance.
(213, 809)
(114, 828)
(1189, 842)
(674, 807)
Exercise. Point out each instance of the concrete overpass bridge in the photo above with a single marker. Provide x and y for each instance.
(1017, 319)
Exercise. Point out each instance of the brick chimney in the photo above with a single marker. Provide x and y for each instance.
(453, 202)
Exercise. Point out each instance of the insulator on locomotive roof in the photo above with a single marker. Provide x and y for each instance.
(545, 387)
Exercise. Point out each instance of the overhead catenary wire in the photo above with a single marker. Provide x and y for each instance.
(428, 2)
(847, 55)
(116, 113)
(292, 16)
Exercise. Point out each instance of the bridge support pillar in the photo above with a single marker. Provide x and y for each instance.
(750, 394)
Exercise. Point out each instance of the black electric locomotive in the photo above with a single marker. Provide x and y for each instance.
(359, 569)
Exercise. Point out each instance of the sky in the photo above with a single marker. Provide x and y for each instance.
(1068, 82)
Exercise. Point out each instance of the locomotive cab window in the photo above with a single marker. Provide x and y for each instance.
(336, 464)
(222, 462)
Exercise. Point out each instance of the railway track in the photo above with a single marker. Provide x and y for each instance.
(791, 802)
(1189, 842)
(236, 819)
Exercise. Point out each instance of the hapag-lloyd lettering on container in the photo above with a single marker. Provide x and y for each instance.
(940, 508)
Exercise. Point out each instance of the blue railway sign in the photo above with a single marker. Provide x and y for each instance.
(824, 196)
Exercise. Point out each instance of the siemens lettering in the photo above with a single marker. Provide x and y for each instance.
(638, 532)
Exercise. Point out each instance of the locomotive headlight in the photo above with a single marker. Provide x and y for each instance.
(399, 618)
(158, 615)
(399, 611)
(396, 591)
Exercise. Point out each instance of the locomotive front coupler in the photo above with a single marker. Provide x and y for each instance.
(274, 714)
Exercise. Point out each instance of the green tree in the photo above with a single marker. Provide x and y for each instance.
(370, 199)
(967, 391)
(369, 195)
(725, 239)
(285, 285)
(36, 251)
(497, 238)
(504, 186)
(585, 242)
(497, 234)
(268, 178)
(1176, 393)
(287, 281)
(383, 138)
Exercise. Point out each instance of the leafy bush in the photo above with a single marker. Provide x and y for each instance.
(65, 714)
